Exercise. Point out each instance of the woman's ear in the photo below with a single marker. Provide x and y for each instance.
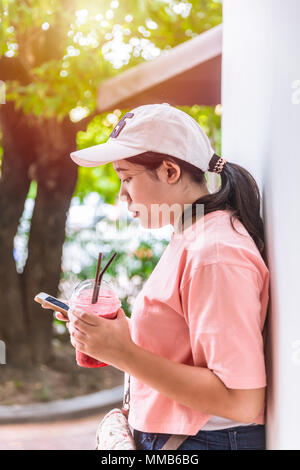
(170, 172)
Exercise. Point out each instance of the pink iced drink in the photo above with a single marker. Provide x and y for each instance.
(107, 306)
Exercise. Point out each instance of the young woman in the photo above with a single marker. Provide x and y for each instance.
(194, 345)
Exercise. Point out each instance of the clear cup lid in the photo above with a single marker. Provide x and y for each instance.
(87, 287)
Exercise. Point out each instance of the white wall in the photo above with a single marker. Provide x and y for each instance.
(261, 131)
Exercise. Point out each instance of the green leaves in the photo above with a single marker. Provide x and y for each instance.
(36, 31)
(60, 87)
(102, 179)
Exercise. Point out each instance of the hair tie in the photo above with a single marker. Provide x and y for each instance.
(216, 163)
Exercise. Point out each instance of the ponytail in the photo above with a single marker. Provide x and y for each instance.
(239, 193)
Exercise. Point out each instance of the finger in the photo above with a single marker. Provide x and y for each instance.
(61, 316)
(79, 325)
(77, 344)
(121, 313)
(77, 334)
(85, 317)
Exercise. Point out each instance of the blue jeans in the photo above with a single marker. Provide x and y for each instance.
(250, 437)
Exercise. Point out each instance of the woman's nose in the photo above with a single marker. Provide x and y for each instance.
(123, 196)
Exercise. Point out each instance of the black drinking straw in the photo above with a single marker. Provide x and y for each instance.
(97, 284)
(94, 298)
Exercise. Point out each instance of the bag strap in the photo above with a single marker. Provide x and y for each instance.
(126, 398)
(174, 441)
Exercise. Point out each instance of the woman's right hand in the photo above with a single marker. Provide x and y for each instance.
(58, 315)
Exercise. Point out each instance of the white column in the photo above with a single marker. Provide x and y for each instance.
(261, 132)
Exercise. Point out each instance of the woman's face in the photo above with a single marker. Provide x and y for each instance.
(151, 198)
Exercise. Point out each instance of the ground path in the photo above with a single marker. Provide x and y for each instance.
(73, 434)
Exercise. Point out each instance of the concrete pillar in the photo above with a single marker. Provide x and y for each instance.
(261, 131)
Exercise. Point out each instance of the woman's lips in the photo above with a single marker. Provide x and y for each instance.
(134, 213)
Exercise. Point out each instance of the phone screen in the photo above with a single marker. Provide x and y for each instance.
(57, 302)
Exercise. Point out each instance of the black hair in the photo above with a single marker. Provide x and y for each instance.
(239, 192)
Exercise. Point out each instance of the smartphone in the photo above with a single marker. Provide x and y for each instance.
(52, 302)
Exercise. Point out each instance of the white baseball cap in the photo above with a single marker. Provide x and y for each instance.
(159, 128)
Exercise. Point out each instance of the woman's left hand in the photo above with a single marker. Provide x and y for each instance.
(107, 340)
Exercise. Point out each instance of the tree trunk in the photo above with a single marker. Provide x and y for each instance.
(32, 151)
(14, 185)
(56, 175)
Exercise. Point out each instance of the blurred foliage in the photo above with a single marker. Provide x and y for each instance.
(142, 261)
(135, 261)
(68, 47)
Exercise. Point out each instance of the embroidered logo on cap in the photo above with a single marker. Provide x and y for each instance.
(117, 129)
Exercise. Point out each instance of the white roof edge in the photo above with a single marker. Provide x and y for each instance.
(147, 74)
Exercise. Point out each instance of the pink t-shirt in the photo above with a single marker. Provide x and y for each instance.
(204, 305)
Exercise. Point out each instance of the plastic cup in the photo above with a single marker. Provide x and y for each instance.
(107, 306)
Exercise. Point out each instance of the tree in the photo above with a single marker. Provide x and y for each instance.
(53, 55)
